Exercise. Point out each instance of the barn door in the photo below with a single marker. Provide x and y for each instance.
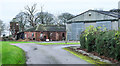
(77, 28)
(69, 31)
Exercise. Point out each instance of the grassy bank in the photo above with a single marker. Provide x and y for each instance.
(0, 53)
(46, 43)
(12, 54)
(86, 58)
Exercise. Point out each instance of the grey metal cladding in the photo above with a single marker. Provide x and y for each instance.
(105, 24)
(69, 36)
(77, 28)
(68, 29)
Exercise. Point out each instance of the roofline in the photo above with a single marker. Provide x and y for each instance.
(92, 21)
(45, 31)
(91, 10)
(79, 14)
(104, 13)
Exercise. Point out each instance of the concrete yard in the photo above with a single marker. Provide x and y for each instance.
(49, 54)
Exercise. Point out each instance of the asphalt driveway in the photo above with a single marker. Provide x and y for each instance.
(49, 54)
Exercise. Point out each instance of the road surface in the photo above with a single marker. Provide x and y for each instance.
(49, 54)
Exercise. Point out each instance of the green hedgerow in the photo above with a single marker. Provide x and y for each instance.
(105, 42)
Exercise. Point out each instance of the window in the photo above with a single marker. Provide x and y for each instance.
(41, 35)
(25, 35)
(32, 34)
(51, 34)
(89, 14)
(63, 35)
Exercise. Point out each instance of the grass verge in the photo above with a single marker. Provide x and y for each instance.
(0, 53)
(56, 43)
(86, 58)
(47, 43)
(12, 54)
(16, 42)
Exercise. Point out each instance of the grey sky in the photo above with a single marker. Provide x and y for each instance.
(10, 8)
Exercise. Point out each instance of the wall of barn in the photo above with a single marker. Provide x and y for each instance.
(91, 23)
(75, 29)
(79, 23)
(28, 35)
(115, 25)
(52, 36)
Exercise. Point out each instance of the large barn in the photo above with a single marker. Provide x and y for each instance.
(108, 19)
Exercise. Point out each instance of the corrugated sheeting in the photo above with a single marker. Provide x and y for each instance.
(69, 31)
(104, 24)
(74, 31)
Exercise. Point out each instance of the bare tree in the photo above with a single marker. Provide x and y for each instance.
(64, 17)
(22, 19)
(2, 27)
(30, 13)
(45, 18)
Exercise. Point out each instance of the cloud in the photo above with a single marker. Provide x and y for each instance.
(9, 8)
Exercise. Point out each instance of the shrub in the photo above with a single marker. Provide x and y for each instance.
(87, 38)
(82, 41)
(105, 43)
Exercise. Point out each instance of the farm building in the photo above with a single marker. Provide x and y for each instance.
(14, 28)
(108, 19)
(43, 32)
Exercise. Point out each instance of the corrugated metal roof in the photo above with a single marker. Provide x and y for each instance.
(113, 14)
(109, 13)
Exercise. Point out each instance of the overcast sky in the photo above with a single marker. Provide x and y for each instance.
(10, 8)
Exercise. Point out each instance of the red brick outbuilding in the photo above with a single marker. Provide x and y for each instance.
(43, 32)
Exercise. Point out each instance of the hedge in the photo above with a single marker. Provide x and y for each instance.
(105, 42)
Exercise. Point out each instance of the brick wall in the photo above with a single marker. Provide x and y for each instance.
(53, 36)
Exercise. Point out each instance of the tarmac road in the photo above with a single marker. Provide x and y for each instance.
(49, 54)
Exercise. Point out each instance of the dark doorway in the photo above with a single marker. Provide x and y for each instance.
(44, 38)
(48, 35)
(63, 36)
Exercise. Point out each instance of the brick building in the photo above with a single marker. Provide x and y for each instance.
(43, 32)
(14, 28)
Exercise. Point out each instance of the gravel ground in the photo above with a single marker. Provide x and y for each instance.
(49, 54)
